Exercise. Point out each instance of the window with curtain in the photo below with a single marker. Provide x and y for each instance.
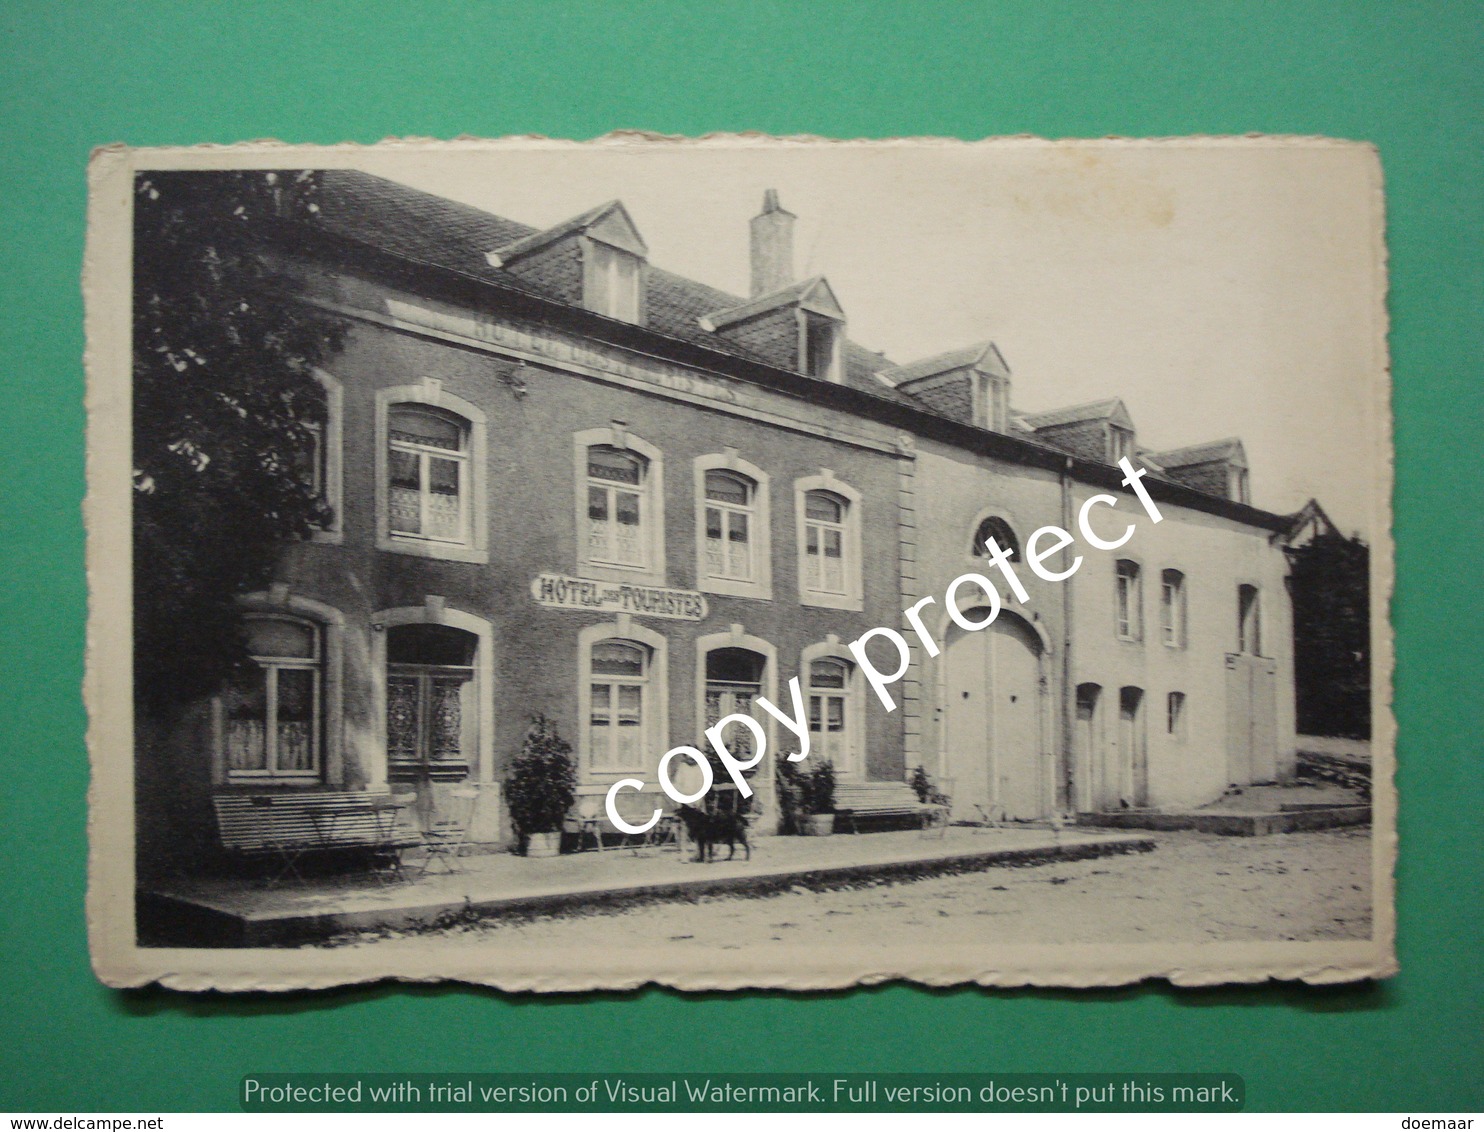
(830, 728)
(825, 516)
(428, 472)
(730, 526)
(617, 486)
(619, 691)
(272, 711)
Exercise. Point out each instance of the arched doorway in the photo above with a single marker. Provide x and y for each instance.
(993, 719)
(1101, 780)
(432, 714)
(1133, 750)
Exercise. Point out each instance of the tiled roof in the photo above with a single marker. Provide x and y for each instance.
(1074, 414)
(432, 230)
(982, 354)
(1228, 449)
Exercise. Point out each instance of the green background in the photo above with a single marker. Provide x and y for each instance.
(1404, 75)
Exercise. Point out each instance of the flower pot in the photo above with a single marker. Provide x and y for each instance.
(543, 844)
(819, 825)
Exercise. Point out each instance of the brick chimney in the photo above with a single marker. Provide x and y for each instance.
(772, 247)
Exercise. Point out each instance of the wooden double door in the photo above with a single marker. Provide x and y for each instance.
(994, 730)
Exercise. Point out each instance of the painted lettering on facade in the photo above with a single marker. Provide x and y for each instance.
(558, 591)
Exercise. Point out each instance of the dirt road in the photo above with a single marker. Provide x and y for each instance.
(1193, 888)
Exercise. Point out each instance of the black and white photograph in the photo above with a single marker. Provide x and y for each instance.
(739, 562)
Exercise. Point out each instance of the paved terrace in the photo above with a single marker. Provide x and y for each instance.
(234, 912)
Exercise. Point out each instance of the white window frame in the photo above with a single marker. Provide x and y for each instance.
(651, 507)
(853, 596)
(331, 461)
(431, 394)
(827, 324)
(1238, 484)
(1120, 443)
(760, 542)
(1174, 629)
(853, 769)
(613, 281)
(655, 705)
(329, 624)
(1128, 600)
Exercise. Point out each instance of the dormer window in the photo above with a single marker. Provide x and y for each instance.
(800, 328)
(996, 403)
(1120, 444)
(1237, 488)
(612, 282)
(819, 346)
(595, 260)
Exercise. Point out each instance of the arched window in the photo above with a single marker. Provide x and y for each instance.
(1129, 601)
(432, 717)
(825, 515)
(1172, 608)
(831, 724)
(731, 534)
(828, 516)
(619, 708)
(617, 506)
(428, 475)
(1175, 715)
(1249, 621)
(273, 712)
(995, 528)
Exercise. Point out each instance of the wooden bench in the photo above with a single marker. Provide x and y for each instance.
(285, 826)
(854, 801)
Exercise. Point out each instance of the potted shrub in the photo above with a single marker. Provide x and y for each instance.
(789, 784)
(540, 788)
(819, 799)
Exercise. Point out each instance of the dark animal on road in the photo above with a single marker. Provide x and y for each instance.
(713, 825)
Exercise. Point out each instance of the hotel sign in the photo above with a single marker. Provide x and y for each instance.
(558, 591)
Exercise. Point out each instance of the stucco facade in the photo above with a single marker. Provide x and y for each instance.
(633, 525)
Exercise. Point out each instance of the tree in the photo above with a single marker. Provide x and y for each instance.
(225, 406)
(1330, 579)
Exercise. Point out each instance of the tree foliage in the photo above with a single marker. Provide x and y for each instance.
(1330, 580)
(224, 405)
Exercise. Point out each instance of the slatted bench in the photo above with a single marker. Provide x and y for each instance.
(854, 801)
(284, 827)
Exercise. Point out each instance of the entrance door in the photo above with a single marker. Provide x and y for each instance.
(430, 709)
(734, 680)
(1133, 753)
(993, 719)
(1097, 785)
(1251, 719)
